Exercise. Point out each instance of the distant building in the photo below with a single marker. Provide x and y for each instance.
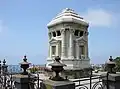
(68, 38)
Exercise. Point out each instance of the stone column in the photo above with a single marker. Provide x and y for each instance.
(71, 55)
(77, 51)
(63, 43)
(57, 49)
(87, 55)
(50, 51)
(85, 51)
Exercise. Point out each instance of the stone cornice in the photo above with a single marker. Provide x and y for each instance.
(62, 30)
(53, 40)
(81, 41)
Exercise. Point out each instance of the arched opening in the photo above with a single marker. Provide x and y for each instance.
(76, 33)
(58, 33)
(81, 33)
(54, 34)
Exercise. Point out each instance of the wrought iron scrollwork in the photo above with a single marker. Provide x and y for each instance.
(6, 80)
(34, 81)
(97, 85)
(93, 82)
(83, 87)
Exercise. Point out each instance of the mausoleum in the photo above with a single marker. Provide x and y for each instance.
(68, 39)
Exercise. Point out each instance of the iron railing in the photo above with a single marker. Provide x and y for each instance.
(92, 82)
(6, 78)
(6, 81)
(34, 81)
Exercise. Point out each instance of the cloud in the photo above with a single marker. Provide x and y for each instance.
(99, 17)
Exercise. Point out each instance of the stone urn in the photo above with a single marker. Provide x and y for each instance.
(24, 65)
(57, 67)
(110, 65)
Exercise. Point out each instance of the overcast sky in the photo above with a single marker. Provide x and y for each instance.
(23, 28)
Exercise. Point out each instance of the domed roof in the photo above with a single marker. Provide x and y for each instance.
(67, 15)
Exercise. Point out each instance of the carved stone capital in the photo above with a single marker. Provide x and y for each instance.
(72, 31)
(62, 30)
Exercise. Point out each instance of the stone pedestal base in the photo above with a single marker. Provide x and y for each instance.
(49, 84)
(112, 82)
(72, 64)
(22, 82)
(75, 74)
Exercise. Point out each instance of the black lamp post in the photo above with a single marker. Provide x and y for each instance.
(110, 65)
(57, 67)
(24, 65)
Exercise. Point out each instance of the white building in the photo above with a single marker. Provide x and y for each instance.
(68, 38)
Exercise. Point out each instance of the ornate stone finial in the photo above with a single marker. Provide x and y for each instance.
(110, 65)
(0, 67)
(4, 61)
(25, 59)
(24, 65)
(57, 59)
(111, 59)
(67, 9)
(57, 67)
(4, 66)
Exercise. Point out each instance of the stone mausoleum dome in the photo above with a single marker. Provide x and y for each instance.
(67, 15)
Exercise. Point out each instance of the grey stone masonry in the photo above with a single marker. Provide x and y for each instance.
(112, 81)
(49, 84)
(22, 82)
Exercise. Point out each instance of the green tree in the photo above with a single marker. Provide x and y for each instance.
(33, 70)
(117, 61)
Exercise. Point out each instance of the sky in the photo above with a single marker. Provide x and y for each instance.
(23, 28)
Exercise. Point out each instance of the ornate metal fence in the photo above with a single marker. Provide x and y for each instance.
(34, 81)
(6, 80)
(92, 82)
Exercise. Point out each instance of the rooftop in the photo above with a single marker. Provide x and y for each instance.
(67, 15)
